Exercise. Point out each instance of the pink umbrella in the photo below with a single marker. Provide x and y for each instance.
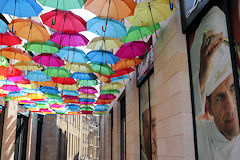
(48, 59)
(86, 102)
(70, 97)
(133, 49)
(57, 105)
(87, 90)
(19, 79)
(107, 96)
(25, 102)
(65, 21)
(69, 39)
(11, 88)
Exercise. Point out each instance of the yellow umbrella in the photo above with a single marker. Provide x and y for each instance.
(105, 43)
(35, 96)
(30, 66)
(73, 87)
(87, 96)
(79, 67)
(46, 83)
(111, 86)
(20, 98)
(2, 78)
(150, 13)
(33, 109)
(29, 86)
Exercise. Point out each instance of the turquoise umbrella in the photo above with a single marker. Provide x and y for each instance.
(73, 55)
(3, 26)
(37, 76)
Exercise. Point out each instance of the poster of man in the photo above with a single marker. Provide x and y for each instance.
(217, 124)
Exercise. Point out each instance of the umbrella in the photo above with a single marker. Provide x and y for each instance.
(20, 8)
(48, 59)
(60, 80)
(69, 39)
(29, 86)
(86, 100)
(139, 32)
(69, 101)
(149, 13)
(101, 68)
(100, 112)
(133, 49)
(52, 96)
(89, 90)
(84, 76)
(126, 63)
(11, 72)
(106, 27)
(25, 90)
(99, 101)
(51, 90)
(73, 55)
(122, 72)
(37, 76)
(16, 94)
(103, 78)
(18, 79)
(3, 26)
(102, 57)
(87, 96)
(70, 93)
(57, 72)
(11, 88)
(99, 108)
(15, 53)
(41, 47)
(72, 106)
(6, 82)
(113, 91)
(107, 96)
(73, 87)
(64, 21)
(35, 96)
(105, 43)
(79, 67)
(63, 4)
(46, 83)
(85, 103)
(9, 39)
(28, 65)
(3, 61)
(29, 30)
(86, 109)
(120, 78)
(87, 82)
(116, 9)
(70, 97)
(111, 86)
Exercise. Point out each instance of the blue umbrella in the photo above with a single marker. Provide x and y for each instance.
(103, 57)
(106, 27)
(40, 102)
(16, 94)
(29, 106)
(73, 107)
(25, 90)
(100, 108)
(120, 78)
(46, 89)
(20, 8)
(84, 76)
(73, 55)
(3, 26)
(86, 100)
(69, 93)
(6, 82)
(37, 76)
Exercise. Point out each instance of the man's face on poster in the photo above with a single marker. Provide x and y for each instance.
(146, 134)
(223, 107)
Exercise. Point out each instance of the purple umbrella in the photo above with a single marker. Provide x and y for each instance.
(85, 102)
(133, 49)
(107, 97)
(12, 88)
(69, 39)
(48, 59)
(70, 97)
(87, 90)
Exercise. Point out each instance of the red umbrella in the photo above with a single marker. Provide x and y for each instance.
(64, 21)
(11, 72)
(9, 39)
(121, 72)
(62, 80)
(107, 96)
(70, 97)
(133, 49)
(88, 90)
(48, 59)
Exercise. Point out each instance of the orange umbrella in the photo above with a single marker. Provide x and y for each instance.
(126, 63)
(99, 101)
(103, 78)
(46, 83)
(116, 9)
(29, 30)
(70, 101)
(15, 53)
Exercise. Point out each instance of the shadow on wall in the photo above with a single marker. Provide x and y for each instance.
(76, 157)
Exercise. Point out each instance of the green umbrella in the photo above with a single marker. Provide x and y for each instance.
(86, 109)
(52, 96)
(42, 106)
(63, 4)
(40, 47)
(87, 83)
(57, 72)
(101, 68)
(113, 91)
(4, 62)
(137, 32)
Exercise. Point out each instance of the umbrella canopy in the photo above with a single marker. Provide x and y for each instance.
(87, 82)
(126, 63)
(101, 68)
(105, 43)
(9, 39)
(3, 26)
(48, 59)
(51, 90)
(122, 72)
(103, 78)
(15, 53)
(79, 67)
(63, 4)
(11, 72)
(18, 79)
(70, 93)
(52, 96)
(27, 65)
(111, 86)
(84, 76)
(57, 72)
(60, 80)
(20, 8)
(101, 108)
(89, 90)
(29, 29)
(120, 78)
(133, 49)
(106, 27)
(113, 91)
(107, 96)
(86, 109)
(46, 83)
(64, 21)
(87, 96)
(73, 87)
(3, 61)
(86, 100)
(69, 39)
(41, 47)
(72, 54)
(70, 97)
(37, 76)
(102, 57)
(116, 9)
(149, 13)
(139, 32)
(11, 88)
